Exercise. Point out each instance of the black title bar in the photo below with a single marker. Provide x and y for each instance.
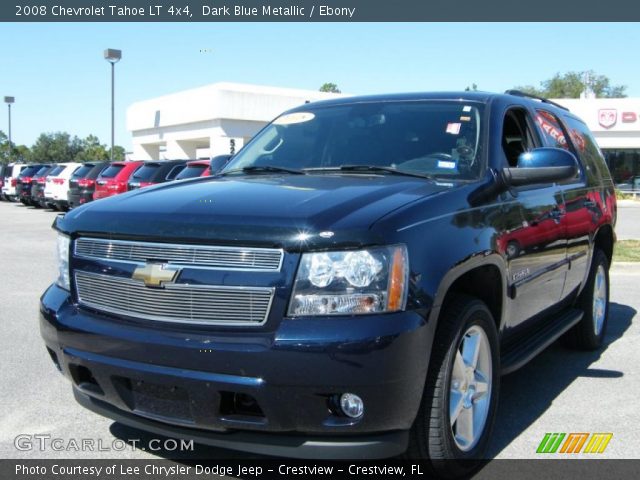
(284, 469)
(319, 11)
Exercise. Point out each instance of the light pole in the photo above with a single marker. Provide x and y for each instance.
(9, 101)
(112, 56)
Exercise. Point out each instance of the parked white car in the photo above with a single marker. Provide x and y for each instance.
(10, 179)
(57, 185)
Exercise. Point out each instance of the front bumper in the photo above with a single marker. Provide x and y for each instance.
(179, 381)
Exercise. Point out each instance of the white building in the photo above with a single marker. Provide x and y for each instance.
(207, 121)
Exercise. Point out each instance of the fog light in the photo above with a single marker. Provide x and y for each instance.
(351, 405)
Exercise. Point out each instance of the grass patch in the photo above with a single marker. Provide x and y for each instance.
(624, 196)
(627, 251)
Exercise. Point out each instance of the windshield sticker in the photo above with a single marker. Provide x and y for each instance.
(466, 108)
(296, 117)
(465, 119)
(453, 128)
(446, 164)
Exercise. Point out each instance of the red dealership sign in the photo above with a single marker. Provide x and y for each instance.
(607, 117)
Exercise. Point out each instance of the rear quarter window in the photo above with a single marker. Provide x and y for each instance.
(588, 150)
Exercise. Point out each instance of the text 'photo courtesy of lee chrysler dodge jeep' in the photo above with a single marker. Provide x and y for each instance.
(352, 284)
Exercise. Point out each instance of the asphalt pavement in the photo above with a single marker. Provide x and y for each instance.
(559, 391)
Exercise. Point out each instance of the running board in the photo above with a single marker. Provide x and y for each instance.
(521, 351)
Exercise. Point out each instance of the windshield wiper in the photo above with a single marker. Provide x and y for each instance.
(366, 168)
(264, 169)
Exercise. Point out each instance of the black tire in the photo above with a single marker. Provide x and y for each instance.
(513, 249)
(431, 436)
(584, 335)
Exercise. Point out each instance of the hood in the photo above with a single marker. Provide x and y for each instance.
(259, 210)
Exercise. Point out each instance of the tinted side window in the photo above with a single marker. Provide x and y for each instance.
(587, 149)
(555, 135)
(552, 130)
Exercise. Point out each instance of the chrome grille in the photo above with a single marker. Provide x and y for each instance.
(213, 257)
(208, 305)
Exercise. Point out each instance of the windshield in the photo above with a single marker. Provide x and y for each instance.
(431, 138)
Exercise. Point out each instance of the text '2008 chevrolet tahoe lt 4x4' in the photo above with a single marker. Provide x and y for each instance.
(352, 284)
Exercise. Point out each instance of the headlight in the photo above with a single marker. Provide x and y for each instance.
(351, 282)
(63, 262)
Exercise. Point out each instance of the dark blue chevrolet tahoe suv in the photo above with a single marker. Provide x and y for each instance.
(351, 284)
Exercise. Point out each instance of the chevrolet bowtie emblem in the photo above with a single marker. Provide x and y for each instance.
(155, 274)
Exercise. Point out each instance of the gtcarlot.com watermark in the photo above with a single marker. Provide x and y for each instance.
(41, 442)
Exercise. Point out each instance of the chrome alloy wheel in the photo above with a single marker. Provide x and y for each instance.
(470, 388)
(599, 299)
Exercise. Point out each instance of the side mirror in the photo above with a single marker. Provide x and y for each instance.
(218, 163)
(541, 165)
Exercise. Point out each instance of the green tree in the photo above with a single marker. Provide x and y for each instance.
(18, 153)
(472, 88)
(22, 153)
(56, 147)
(92, 150)
(572, 84)
(330, 87)
(118, 153)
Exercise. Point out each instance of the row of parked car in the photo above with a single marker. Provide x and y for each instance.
(62, 186)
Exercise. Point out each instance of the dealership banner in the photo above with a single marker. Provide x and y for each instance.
(306, 470)
(318, 11)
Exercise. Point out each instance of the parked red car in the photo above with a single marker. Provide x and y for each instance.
(113, 179)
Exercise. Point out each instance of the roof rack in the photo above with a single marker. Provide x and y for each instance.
(520, 93)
